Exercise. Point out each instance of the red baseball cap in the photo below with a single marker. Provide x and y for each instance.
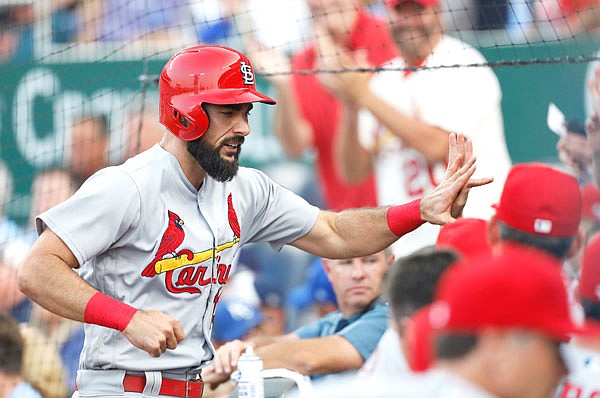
(589, 281)
(540, 200)
(468, 236)
(591, 202)
(424, 3)
(518, 287)
(419, 345)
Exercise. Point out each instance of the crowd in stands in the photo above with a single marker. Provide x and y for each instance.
(379, 140)
(283, 25)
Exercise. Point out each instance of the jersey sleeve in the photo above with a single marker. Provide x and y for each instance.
(364, 334)
(96, 216)
(278, 215)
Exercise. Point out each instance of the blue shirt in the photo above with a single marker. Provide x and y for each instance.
(362, 330)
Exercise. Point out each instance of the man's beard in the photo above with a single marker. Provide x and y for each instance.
(211, 161)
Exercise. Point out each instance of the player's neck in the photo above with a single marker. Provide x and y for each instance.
(416, 56)
(189, 165)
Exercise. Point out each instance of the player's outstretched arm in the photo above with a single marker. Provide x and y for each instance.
(359, 232)
(46, 276)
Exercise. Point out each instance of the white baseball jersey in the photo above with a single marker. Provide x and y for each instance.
(583, 380)
(462, 100)
(144, 235)
(387, 361)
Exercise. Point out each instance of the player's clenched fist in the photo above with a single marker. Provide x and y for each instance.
(154, 332)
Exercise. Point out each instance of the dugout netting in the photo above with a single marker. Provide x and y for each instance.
(76, 76)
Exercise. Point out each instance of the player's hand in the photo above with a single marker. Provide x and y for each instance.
(154, 332)
(446, 201)
(574, 151)
(224, 363)
(592, 131)
(350, 86)
(273, 63)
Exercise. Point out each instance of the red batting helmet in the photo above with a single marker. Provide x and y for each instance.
(211, 74)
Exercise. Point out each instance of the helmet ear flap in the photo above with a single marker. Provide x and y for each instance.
(190, 127)
(202, 121)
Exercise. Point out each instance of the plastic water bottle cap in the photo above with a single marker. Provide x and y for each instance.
(249, 349)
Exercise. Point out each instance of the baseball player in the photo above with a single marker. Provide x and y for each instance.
(404, 117)
(583, 352)
(154, 239)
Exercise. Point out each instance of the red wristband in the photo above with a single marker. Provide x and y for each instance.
(405, 218)
(106, 311)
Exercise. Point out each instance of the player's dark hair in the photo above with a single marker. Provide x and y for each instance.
(555, 246)
(591, 309)
(454, 345)
(412, 280)
(11, 345)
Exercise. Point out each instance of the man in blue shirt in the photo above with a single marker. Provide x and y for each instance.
(340, 341)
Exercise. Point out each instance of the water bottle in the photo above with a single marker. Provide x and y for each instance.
(250, 384)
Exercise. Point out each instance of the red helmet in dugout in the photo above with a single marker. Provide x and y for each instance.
(203, 74)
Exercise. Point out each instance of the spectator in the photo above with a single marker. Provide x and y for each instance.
(16, 32)
(413, 290)
(135, 20)
(566, 18)
(589, 226)
(403, 128)
(50, 187)
(540, 207)
(592, 124)
(338, 342)
(65, 20)
(142, 130)
(491, 14)
(277, 24)
(12, 382)
(63, 340)
(42, 365)
(308, 115)
(9, 229)
(583, 352)
(235, 320)
(410, 285)
(88, 150)
(590, 210)
(316, 292)
(483, 344)
(11, 298)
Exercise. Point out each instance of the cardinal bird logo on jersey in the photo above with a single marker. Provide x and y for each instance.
(185, 270)
(171, 239)
(232, 217)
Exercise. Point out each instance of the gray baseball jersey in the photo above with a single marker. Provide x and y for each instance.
(144, 235)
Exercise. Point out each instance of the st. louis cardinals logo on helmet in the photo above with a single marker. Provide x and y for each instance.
(247, 73)
(183, 270)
